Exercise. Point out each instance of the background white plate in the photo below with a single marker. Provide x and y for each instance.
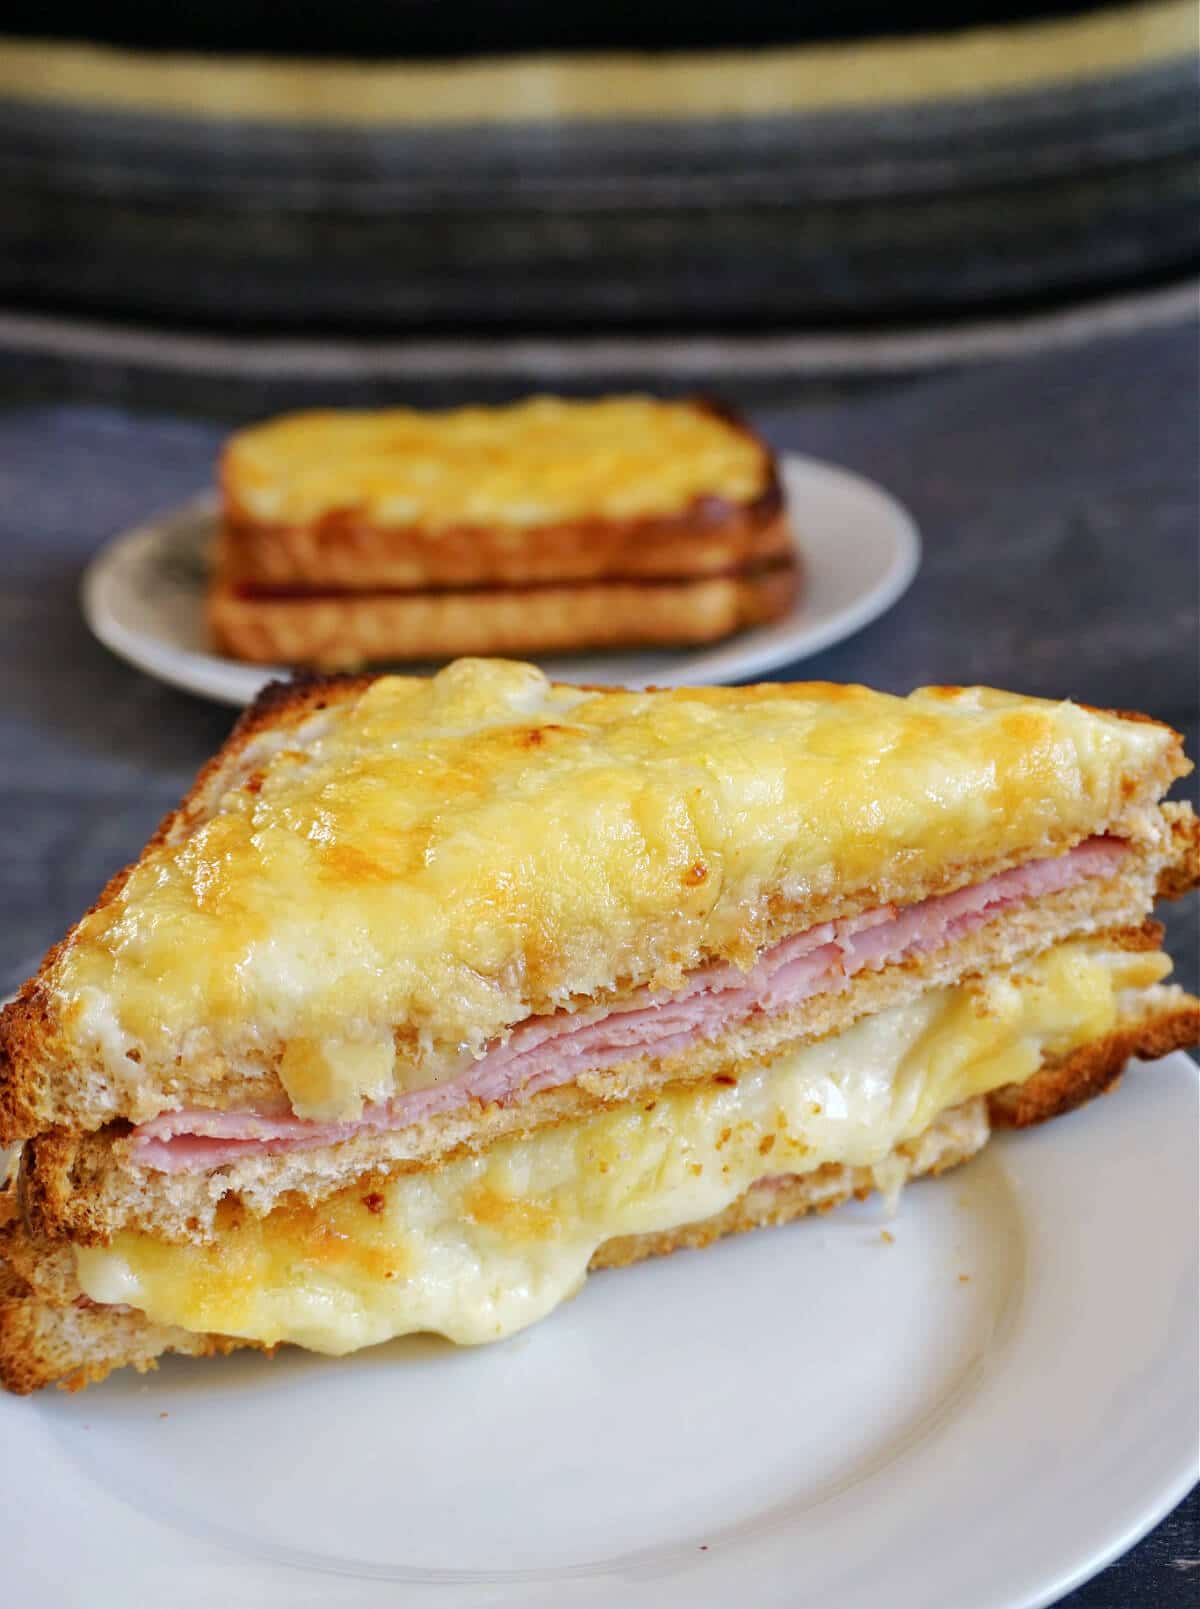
(143, 595)
(810, 1417)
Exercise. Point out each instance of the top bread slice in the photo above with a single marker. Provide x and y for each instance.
(377, 877)
(534, 493)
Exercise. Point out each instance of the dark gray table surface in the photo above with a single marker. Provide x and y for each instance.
(1057, 496)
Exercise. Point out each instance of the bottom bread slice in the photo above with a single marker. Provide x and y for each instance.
(50, 1332)
(336, 631)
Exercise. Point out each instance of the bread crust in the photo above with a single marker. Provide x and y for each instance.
(337, 630)
(1181, 871)
(345, 552)
(1071, 1081)
(29, 1034)
(43, 1344)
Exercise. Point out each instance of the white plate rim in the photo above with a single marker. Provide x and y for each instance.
(750, 653)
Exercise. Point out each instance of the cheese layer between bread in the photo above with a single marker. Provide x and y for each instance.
(484, 1245)
(542, 462)
(384, 890)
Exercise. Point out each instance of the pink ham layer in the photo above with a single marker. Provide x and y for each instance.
(544, 1052)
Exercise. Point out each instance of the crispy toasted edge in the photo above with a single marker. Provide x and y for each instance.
(73, 1347)
(353, 628)
(1181, 873)
(1071, 1081)
(51, 1332)
(29, 1034)
(701, 517)
(51, 1202)
(343, 554)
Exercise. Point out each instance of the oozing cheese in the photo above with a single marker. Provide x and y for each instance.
(435, 860)
(540, 462)
(485, 1245)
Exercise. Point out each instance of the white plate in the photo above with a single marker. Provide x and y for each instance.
(814, 1416)
(143, 595)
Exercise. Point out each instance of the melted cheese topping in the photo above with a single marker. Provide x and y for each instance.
(486, 1245)
(540, 462)
(437, 859)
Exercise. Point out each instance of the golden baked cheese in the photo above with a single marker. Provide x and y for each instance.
(545, 461)
(384, 890)
(484, 1245)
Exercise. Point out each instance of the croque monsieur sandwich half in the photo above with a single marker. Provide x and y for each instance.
(546, 525)
(435, 993)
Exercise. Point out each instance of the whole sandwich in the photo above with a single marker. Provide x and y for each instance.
(350, 538)
(435, 994)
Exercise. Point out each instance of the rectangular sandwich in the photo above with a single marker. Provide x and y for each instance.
(435, 993)
(546, 525)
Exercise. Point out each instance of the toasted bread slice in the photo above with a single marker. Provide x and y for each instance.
(545, 526)
(345, 630)
(494, 773)
(50, 1332)
(542, 491)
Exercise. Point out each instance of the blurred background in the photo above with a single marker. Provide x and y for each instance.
(903, 185)
(952, 247)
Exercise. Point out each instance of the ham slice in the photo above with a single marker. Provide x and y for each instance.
(544, 1052)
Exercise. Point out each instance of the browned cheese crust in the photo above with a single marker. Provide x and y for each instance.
(345, 549)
